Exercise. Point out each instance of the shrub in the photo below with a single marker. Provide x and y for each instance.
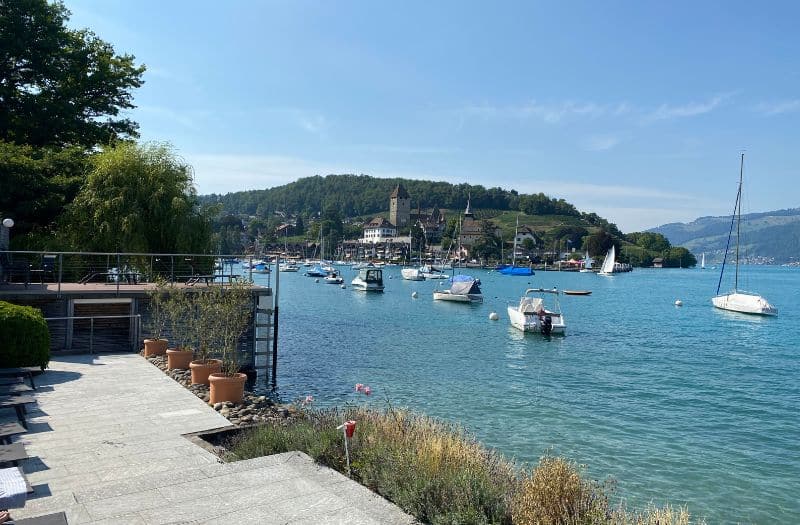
(25, 336)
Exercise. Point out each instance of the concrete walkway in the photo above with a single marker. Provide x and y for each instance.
(107, 436)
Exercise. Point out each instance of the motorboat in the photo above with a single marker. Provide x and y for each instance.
(368, 280)
(289, 267)
(412, 274)
(333, 278)
(316, 272)
(532, 315)
(431, 272)
(463, 289)
(577, 292)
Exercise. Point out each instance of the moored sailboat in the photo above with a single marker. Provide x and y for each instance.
(737, 300)
(608, 263)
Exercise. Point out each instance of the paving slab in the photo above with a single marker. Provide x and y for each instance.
(107, 433)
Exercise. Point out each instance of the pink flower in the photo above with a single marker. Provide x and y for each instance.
(367, 391)
(359, 387)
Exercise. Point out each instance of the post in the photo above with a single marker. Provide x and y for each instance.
(275, 326)
(119, 273)
(91, 336)
(60, 272)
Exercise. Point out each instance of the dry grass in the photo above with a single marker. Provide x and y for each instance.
(440, 474)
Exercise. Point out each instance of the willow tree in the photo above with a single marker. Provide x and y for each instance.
(138, 198)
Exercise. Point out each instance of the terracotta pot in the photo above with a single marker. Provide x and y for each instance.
(226, 388)
(201, 370)
(179, 358)
(155, 347)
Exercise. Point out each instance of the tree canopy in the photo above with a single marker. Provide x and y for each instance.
(59, 86)
(138, 198)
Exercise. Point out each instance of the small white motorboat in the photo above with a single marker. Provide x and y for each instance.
(531, 314)
(333, 278)
(368, 280)
(463, 289)
(412, 274)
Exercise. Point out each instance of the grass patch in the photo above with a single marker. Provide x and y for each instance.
(440, 474)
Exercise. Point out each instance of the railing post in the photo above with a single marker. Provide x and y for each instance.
(91, 336)
(119, 272)
(60, 272)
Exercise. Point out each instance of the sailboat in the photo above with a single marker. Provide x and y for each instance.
(587, 263)
(703, 261)
(608, 262)
(514, 269)
(737, 300)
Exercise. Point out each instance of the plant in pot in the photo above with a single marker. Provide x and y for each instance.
(156, 345)
(182, 317)
(236, 308)
(208, 326)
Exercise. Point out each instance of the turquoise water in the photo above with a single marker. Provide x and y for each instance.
(688, 405)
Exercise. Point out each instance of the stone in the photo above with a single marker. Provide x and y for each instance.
(218, 406)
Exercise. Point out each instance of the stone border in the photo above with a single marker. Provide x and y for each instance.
(253, 410)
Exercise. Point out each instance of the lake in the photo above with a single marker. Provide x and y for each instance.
(686, 405)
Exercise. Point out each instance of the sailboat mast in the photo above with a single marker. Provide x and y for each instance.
(738, 223)
(514, 253)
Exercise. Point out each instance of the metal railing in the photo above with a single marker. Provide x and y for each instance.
(122, 268)
(134, 336)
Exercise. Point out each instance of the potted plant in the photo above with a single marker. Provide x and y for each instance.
(235, 309)
(207, 331)
(156, 345)
(181, 313)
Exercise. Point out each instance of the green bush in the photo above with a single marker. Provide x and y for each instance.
(24, 335)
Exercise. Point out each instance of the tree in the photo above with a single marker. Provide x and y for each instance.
(488, 245)
(299, 227)
(138, 198)
(60, 86)
(599, 242)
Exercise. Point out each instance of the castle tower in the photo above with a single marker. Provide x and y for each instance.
(399, 207)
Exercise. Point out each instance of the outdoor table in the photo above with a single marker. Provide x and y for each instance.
(12, 453)
(18, 403)
(10, 429)
(14, 389)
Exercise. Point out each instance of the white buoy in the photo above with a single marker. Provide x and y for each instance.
(493, 316)
(316, 280)
(413, 295)
(343, 287)
(678, 303)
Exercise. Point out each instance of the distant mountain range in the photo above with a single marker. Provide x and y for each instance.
(767, 238)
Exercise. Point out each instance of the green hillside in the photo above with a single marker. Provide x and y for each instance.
(769, 237)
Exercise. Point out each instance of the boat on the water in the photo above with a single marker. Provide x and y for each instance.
(532, 315)
(368, 280)
(412, 274)
(587, 264)
(463, 289)
(737, 300)
(429, 271)
(289, 267)
(333, 277)
(577, 292)
(608, 266)
(513, 269)
(316, 272)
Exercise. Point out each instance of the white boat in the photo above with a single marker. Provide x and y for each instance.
(608, 263)
(289, 267)
(430, 272)
(737, 300)
(703, 261)
(368, 280)
(587, 264)
(531, 314)
(412, 274)
(333, 278)
(463, 289)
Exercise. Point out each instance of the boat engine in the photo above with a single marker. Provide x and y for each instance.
(547, 325)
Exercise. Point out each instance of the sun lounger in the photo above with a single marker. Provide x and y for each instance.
(18, 404)
(7, 430)
(12, 453)
(58, 518)
(22, 371)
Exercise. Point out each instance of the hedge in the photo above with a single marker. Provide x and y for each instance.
(24, 336)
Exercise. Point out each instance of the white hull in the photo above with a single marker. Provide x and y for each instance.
(531, 322)
(445, 295)
(412, 274)
(333, 280)
(362, 286)
(434, 275)
(744, 303)
(586, 271)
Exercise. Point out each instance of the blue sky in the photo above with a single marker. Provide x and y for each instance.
(634, 110)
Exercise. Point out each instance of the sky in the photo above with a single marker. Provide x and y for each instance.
(636, 111)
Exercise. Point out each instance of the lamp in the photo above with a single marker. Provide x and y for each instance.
(8, 223)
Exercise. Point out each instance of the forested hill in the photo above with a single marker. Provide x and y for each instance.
(766, 237)
(359, 195)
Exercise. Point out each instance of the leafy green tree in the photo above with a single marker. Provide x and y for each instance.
(488, 245)
(138, 198)
(36, 185)
(299, 226)
(60, 86)
(599, 242)
(655, 242)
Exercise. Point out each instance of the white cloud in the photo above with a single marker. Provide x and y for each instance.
(601, 142)
(770, 109)
(549, 113)
(669, 112)
(189, 119)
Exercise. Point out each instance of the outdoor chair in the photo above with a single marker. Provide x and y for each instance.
(48, 268)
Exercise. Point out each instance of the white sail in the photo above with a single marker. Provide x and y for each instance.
(703, 261)
(608, 262)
